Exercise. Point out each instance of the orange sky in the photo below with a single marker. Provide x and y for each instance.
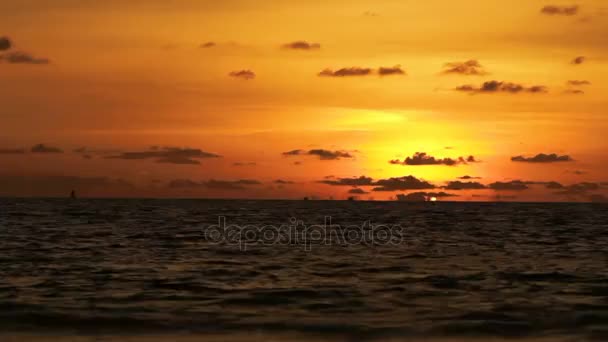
(221, 77)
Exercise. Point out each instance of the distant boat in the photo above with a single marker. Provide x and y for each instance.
(73, 194)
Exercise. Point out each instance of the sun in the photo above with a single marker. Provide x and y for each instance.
(433, 199)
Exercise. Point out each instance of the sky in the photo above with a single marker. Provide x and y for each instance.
(471, 100)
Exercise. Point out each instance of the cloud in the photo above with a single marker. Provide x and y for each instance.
(5, 44)
(543, 158)
(402, 183)
(346, 72)
(321, 153)
(301, 45)
(170, 155)
(467, 177)
(492, 87)
(12, 151)
(283, 182)
(578, 83)
(580, 189)
(509, 186)
(357, 191)
(560, 10)
(17, 57)
(208, 45)
(553, 185)
(421, 158)
(458, 185)
(213, 184)
(574, 92)
(41, 148)
(360, 181)
(579, 60)
(230, 185)
(422, 196)
(389, 71)
(358, 71)
(470, 67)
(241, 164)
(598, 198)
(243, 74)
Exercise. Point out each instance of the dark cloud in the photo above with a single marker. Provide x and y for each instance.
(241, 164)
(170, 155)
(580, 189)
(12, 151)
(458, 185)
(243, 74)
(543, 158)
(17, 57)
(578, 83)
(579, 60)
(184, 184)
(470, 67)
(241, 184)
(467, 177)
(389, 71)
(422, 196)
(421, 158)
(559, 10)
(509, 186)
(492, 87)
(321, 153)
(357, 191)
(360, 181)
(42, 148)
(598, 198)
(402, 183)
(283, 182)
(346, 72)
(553, 185)
(574, 92)
(208, 45)
(5, 43)
(301, 45)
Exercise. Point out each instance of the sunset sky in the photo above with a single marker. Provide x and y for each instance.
(294, 98)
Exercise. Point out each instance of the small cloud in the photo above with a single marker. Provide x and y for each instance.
(421, 158)
(241, 164)
(467, 177)
(370, 14)
(170, 155)
(321, 153)
(41, 148)
(241, 184)
(208, 45)
(283, 182)
(470, 67)
(458, 185)
(578, 60)
(389, 71)
(402, 183)
(18, 57)
(580, 189)
(5, 44)
(560, 10)
(243, 75)
(346, 72)
(301, 45)
(491, 87)
(357, 191)
(554, 185)
(360, 181)
(578, 83)
(184, 184)
(574, 92)
(543, 158)
(509, 186)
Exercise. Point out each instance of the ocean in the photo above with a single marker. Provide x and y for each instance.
(244, 270)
